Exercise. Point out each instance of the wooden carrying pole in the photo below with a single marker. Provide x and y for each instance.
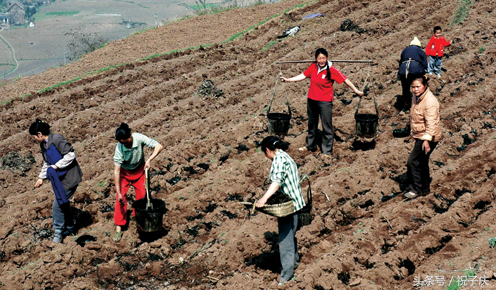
(310, 61)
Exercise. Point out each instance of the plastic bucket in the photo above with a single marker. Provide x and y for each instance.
(366, 125)
(278, 123)
(149, 220)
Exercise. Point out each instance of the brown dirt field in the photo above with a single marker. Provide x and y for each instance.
(211, 161)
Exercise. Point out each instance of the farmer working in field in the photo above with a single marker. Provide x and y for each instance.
(426, 131)
(413, 63)
(130, 164)
(320, 96)
(62, 169)
(285, 178)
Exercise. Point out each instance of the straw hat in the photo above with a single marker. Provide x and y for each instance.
(415, 41)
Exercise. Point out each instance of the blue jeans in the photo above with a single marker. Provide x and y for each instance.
(288, 247)
(63, 218)
(435, 65)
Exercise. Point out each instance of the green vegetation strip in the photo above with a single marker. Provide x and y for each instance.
(234, 37)
(60, 84)
(30, 59)
(62, 13)
(461, 12)
(206, 6)
(79, 78)
(269, 45)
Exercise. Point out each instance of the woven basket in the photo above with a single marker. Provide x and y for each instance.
(278, 210)
(286, 208)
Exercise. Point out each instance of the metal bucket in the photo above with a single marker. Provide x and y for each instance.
(149, 220)
(278, 123)
(366, 125)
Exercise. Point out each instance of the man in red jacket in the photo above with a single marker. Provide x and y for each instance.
(435, 51)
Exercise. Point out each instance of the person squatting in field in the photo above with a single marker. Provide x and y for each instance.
(62, 169)
(285, 179)
(130, 164)
(435, 51)
(426, 131)
(413, 63)
(320, 96)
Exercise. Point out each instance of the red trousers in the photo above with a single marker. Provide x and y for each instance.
(136, 178)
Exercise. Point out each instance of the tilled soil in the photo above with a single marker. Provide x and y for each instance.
(363, 235)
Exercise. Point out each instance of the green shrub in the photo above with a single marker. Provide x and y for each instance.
(492, 242)
(461, 12)
(64, 13)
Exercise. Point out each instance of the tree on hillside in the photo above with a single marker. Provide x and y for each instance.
(30, 11)
(82, 43)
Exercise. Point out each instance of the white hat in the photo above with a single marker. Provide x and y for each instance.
(415, 41)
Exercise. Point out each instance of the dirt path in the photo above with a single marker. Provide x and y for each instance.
(13, 56)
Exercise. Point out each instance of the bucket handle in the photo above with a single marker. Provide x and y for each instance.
(274, 94)
(309, 191)
(147, 184)
(373, 97)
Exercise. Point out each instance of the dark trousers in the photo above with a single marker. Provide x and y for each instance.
(288, 247)
(316, 109)
(406, 94)
(418, 168)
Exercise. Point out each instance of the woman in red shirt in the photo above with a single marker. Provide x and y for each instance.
(320, 96)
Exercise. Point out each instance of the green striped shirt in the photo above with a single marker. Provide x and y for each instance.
(285, 172)
(134, 157)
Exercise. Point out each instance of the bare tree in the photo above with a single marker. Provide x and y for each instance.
(82, 43)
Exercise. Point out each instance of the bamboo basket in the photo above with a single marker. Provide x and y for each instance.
(285, 208)
(278, 210)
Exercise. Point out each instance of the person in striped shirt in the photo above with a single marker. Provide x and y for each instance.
(129, 170)
(285, 179)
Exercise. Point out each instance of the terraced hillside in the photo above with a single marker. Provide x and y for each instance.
(364, 235)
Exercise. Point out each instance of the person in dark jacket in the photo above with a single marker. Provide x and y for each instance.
(413, 63)
(62, 169)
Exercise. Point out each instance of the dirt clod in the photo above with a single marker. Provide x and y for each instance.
(348, 25)
(13, 161)
(208, 89)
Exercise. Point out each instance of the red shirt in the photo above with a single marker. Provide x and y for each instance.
(435, 47)
(320, 86)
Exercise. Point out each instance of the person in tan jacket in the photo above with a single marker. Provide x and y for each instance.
(426, 131)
